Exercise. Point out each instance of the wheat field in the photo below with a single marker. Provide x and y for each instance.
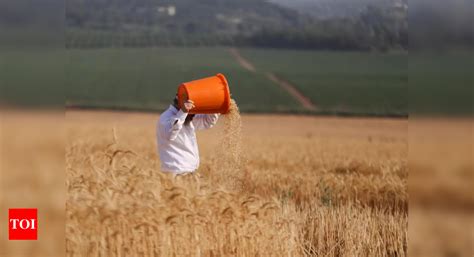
(303, 186)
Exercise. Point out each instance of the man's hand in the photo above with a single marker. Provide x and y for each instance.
(187, 105)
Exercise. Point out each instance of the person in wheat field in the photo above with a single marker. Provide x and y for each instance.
(176, 135)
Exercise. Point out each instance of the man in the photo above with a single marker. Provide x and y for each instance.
(176, 134)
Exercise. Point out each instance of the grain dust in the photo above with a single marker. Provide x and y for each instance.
(229, 161)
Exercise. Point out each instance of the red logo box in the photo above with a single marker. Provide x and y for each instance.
(22, 224)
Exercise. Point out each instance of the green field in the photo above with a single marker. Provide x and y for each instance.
(442, 83)
(32, 77)
(147, 78)
(350, 82)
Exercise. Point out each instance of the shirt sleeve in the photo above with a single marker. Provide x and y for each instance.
(172, 125)
(205, 121)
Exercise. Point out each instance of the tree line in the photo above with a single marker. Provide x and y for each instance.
(236, 23)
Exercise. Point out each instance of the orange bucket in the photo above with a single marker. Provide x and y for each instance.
(210, 95)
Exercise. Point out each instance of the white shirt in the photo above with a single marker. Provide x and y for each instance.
(177, 144)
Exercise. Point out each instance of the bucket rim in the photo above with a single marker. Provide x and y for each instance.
(226, 91)
(182, 88)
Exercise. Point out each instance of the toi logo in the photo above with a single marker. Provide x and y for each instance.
(23, 224)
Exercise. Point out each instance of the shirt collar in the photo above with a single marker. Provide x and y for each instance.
(173, 109)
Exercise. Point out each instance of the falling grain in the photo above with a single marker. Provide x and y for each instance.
(318, 196)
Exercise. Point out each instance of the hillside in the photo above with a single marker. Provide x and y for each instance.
(325, 9)
(249, 23)
(186, 16)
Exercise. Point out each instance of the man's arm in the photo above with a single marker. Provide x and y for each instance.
(170, 127)
(205, 121)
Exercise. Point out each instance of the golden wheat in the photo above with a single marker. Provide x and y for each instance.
(337, 186)
(309, 187)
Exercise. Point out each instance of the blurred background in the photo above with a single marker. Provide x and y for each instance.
(344, 57)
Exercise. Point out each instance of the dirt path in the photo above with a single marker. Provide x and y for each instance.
(292, 91)
(241, 60)
(287, 86)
